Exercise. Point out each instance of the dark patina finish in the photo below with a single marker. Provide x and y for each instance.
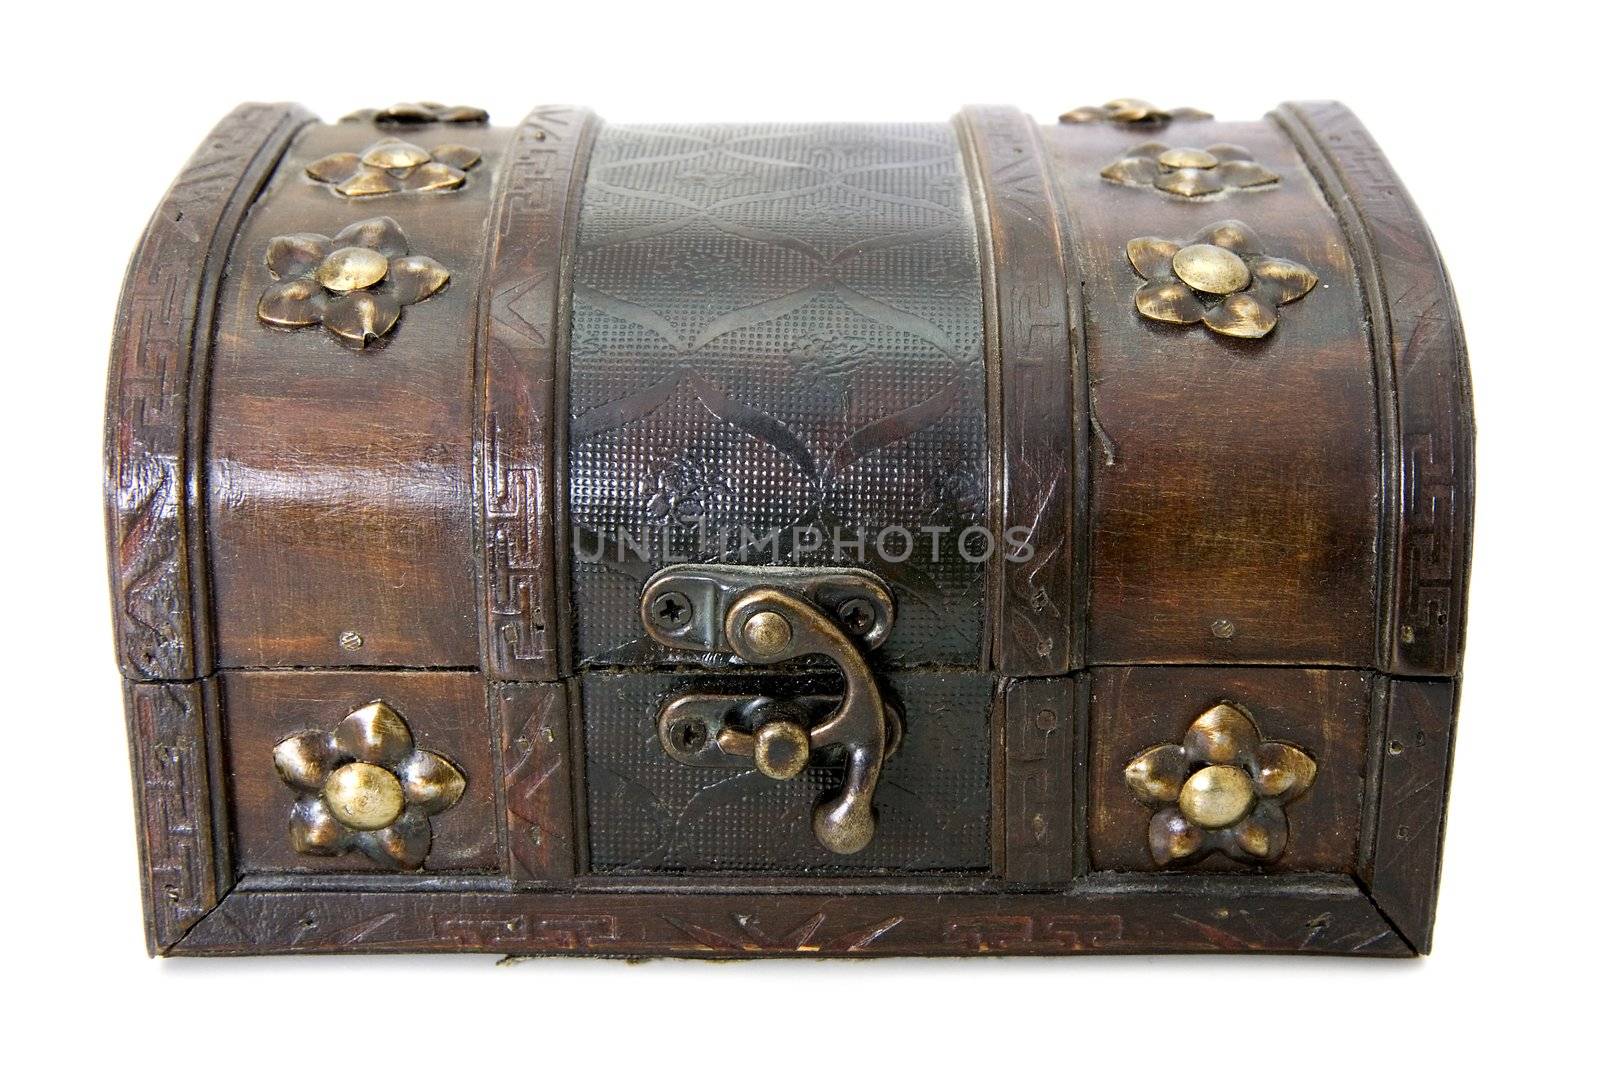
(790, 539)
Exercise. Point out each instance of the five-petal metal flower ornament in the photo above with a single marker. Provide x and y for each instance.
(352, 284)
(1223, 789)
(1220, 277)
(1130, 110)
(419, 112)
(391, 165)
(365, 786)
(1189, 171)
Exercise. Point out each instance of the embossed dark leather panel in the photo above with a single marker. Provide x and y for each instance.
(648, 812)
(777, 326)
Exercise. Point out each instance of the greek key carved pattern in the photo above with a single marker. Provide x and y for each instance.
(522, 337)
(538, 779)
(1034, 614)
(1328, 917)
(170, 289)
(1433, 437)
(1020, 931)
(172, 780)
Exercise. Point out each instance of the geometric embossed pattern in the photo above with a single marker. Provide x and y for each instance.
(777, 326)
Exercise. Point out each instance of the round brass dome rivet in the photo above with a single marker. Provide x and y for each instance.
(352, 268)
(364, 796)
(1205, 267)
(1187, 157)
(767, 632)
(1217, 796)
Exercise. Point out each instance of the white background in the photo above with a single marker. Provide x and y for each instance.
(1488, 115)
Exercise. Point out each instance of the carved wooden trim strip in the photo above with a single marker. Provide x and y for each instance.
(1326, 915)
(158, 366)
(182, 869)
(536, 758)
(1034, 616)
(1040, 716)
(1426, 407)
(522, 343)
(1417, 732)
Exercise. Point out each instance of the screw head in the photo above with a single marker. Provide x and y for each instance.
(857, 616)
(671, 610)
(351, 640)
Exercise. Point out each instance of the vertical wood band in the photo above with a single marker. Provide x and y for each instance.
(522, 342)
(183, 866)
(1033, 343)
(1416, 743)
(539, 779)
(1040, 722)
(1426, 414)
(159, 362)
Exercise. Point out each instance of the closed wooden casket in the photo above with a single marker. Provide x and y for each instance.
(789, 539)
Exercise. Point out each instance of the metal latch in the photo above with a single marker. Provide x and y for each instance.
(764, 615)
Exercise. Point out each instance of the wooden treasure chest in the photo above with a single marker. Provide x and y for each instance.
(789, 539)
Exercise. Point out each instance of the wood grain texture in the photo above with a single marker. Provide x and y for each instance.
(447, 714)
(1321, 712)
(158, 362)
(1234, 484)
(1033, 607)
(340, 490)
(540, 776)
(1316, 915)
(1414, 755)
(1040, 739)
(523, 343)
(182, 845)
(1428, 445)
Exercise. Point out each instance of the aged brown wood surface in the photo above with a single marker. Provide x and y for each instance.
(1234, 484)
(184, 862)
(158, 567)
(1414, 753)
(1033, 606)
(541, 773)
(1322, 712)
(1317, 916)
(1040, 747)
(1416, 331)
(445, 713)
(1280, 525)
(524, 331)
(340, 482)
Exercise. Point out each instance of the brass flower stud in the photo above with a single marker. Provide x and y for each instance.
(1188, 171)
(1220, 277)
(352, 284)
(365, 786)
(1222, 789)
(420, 112)
(391, 165)
(1130, 110)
